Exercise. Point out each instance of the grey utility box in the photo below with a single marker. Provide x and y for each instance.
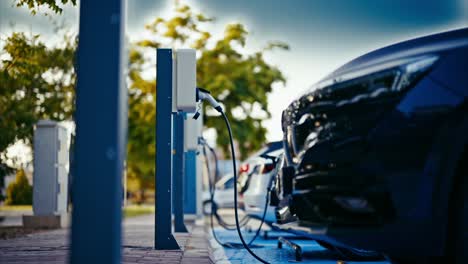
(51, 158)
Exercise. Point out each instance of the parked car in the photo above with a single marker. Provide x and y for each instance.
(249, 166)
(223, 195)
(377, 152)
(255, 196)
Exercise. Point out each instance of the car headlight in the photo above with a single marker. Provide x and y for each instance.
(414, 70)
(306, 118)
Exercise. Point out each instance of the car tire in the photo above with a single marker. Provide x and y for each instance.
(457, 247)
(206, 208)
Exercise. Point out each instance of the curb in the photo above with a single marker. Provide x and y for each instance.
(217, 253)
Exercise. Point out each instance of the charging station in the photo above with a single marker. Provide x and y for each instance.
(193, 168)
(176, 96)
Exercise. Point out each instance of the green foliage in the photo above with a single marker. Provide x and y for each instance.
(36, 82)
(34, 5)
(19, 192)
(141, 125)
(240, 81)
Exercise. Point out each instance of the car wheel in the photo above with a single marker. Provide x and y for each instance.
(458, 235)
(207, 207)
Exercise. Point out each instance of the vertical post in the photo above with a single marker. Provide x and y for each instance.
(190, 203)
(101, 116)
(163, 222)
(178, 172)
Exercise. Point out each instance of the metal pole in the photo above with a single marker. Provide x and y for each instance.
(178, 172)
(163, 224)
(101, 123)
(190, 192)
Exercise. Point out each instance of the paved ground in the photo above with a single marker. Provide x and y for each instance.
(53, 246)
(268, 249)
(13, 218)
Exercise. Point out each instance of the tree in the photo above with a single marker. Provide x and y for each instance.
(19, 192)
(36, 82)
(240, 81)
(141, 149)
(34, 5)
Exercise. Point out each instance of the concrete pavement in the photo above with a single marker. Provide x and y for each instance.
(53, 246)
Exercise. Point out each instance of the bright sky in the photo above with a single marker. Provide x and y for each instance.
(322, 34)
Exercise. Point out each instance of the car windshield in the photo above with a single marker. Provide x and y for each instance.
(229, 184)
(269, 148)
(224, 182)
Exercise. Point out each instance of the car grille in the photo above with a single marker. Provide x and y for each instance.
(338, 112)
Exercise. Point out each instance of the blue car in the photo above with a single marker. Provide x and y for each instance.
(377, 153)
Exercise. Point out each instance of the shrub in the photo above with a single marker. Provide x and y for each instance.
(19, 192)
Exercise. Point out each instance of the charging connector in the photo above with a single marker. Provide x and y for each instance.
(204, 95)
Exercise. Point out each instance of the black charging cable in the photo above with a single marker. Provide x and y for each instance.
(214, 205)
(204, 95)
(262, 221)
(233, 156)
(212, 184)
(267, 199)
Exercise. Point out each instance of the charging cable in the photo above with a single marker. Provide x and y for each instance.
(214, 206)
(267, 198)
(204, 95)
(233, 156)
(212, 192)
(212, 187)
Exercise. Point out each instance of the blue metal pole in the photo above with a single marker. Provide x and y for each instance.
(163, 225)
(101, 123)
(178, 172)
(190, 182)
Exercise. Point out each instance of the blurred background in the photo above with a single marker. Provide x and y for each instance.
(254, 56)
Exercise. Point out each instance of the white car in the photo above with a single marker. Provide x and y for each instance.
(249, 166)
(223, 196)
(256, 194)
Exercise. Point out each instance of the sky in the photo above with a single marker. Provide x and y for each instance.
(322, 34)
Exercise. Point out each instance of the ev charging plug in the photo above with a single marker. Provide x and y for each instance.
(204, 95)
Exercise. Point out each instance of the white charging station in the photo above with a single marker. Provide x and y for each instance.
(184, 80)
(176, 96)
(184, 104)
(192, 133)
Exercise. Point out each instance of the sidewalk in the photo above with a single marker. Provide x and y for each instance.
(53, 246)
